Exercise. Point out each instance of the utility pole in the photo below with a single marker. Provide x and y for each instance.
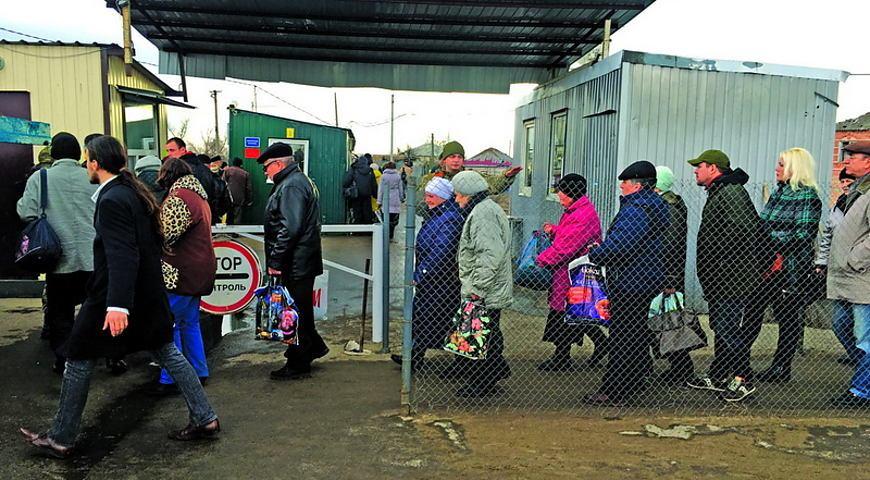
(254, 104)
(392, 123)
(335, 97)
(214, 95)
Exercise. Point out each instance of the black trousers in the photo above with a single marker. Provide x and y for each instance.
(628, 345)
(311, 344)
(63, 291)
(485, 373)
(362, 210)
(394, 221)
(788, 312)
(234, 215)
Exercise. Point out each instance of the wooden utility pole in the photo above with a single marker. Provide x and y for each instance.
(335, 97)
(255, 98)
(392, 123)
(217, 138)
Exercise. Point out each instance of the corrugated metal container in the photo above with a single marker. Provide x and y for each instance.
(666, 109)
(65, 85)
(72, 87)
(328, 157)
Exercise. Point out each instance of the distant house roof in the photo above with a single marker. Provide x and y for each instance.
(426, 150)
(490, 158)
(110, 49)
(855, 124)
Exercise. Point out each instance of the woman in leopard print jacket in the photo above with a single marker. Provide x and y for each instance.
(189, 265)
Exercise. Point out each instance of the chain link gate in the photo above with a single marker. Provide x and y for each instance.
(798, 363)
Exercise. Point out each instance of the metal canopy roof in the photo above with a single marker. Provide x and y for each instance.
(382, 43)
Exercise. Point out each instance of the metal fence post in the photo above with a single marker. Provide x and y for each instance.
(385, 269)
(407, 340)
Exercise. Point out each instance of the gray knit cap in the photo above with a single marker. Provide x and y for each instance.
(469, 183)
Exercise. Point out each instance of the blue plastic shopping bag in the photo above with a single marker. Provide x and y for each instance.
(528, 274)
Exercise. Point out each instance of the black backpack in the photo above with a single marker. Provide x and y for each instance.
(39, 247)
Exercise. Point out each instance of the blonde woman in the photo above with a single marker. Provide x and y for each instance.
(791, 222)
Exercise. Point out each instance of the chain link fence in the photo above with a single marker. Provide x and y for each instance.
(761, 340)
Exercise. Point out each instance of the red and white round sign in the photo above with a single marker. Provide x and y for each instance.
(238, 275)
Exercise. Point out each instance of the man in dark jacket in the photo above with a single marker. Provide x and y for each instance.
(360, 187)
(176, 148)
(126, 308)
(632, 254)
(293, 252)
(241, 192)
(729, 270)
(221, 203)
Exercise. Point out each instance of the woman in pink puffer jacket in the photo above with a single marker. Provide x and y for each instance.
(578, 229)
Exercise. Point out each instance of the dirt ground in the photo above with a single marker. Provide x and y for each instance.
(345, 422)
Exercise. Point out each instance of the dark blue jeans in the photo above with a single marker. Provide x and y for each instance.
(77, 381)
(732, 338)
(844, 329)
(860, 314)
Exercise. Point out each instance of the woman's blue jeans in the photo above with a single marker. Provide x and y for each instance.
(188, 337)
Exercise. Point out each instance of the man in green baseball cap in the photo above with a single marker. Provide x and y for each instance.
(712, 157)
(728, 271)
(452, 160)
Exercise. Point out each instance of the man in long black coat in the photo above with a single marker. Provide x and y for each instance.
(126, 309)
(293, 252)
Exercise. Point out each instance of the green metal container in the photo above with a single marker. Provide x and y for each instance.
(327, 157)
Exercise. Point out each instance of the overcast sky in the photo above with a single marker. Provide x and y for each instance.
(795, 32)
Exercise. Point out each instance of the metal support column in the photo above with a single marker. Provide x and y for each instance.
(407, 339)
(385, 266)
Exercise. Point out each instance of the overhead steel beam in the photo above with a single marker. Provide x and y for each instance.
(351, 59)
(600, 4)
(404, 19)
(369, 33)
(398, 48)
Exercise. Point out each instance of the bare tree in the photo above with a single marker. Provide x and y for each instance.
(180, 131)
(209, 145)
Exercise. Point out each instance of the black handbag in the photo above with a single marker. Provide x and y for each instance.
(351, 192)
(39, 247)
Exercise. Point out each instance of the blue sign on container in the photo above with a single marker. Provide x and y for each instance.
(252, 142)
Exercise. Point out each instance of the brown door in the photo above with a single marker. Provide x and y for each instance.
(16, 161)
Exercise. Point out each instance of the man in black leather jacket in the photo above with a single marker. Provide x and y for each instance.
(293, 252)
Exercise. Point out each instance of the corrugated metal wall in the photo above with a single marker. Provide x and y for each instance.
(670, 115)
(667, 116)
(329, 150)
(64, 84)
(590, 148)
(117, 76)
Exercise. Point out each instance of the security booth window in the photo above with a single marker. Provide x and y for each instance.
(528, 156)
(140, 130)
(558, 130)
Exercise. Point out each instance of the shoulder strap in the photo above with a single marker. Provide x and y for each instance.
(43, 189)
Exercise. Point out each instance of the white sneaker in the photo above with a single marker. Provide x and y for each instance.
(738, 390)
(706, 383)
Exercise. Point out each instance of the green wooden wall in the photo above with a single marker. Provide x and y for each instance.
(328, 157)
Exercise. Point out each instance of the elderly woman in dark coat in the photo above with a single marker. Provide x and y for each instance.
(436, 275)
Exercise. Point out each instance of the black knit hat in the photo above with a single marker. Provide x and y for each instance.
(65, 145)
(844, 175)
(573, 185)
